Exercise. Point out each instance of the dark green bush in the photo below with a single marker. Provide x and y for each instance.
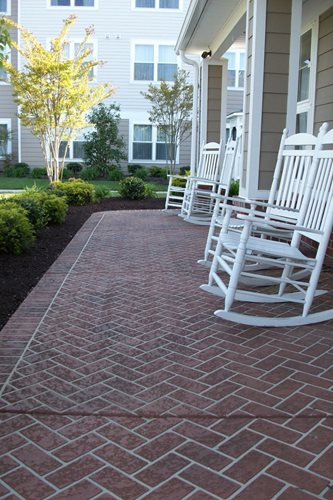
(17, 170)
(101, 192)
(184, 170)
(132, 188)
(115, 174)
(34, 207)
(133, 167)
(38, 172)
(54, 206)
(77, 191)
(89, 174)
(74, 166)
(16, 232)
(157, 172)
(149, 191)
(66, 174)
(141, 173)
(234, 187)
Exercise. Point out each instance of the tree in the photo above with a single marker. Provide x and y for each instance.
(171, 110)
(54, 92)
(103, 146)
(4, 39)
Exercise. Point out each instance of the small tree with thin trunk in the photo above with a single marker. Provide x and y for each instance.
(54, 93)
(4, 40)
(171, 111)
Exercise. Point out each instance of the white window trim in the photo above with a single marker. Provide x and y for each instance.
(72, 41)
(237, 53)
(9, 54)
(156, 44)
(71, 6)
(157, 7)
(308, 105)
(154, 142)
(8, 122)
(70, 152)
(8, 11)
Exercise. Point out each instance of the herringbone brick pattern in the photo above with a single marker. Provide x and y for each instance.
(120, 383)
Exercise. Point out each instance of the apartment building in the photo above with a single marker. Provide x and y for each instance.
(135, 39)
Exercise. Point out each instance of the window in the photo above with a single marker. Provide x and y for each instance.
(75, 149)
(5, 7)
(154, 62)
(306, 83)
(157, 4)
(72, 48)
(72, 3)
(236, 69)
(149, 144)
(5, 137)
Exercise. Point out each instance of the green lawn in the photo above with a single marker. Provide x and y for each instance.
(21, 183)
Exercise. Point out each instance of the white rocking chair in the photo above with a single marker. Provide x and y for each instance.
(175, 193)
(198, 206)
(235, 250)
(205, 182)
(294, 159)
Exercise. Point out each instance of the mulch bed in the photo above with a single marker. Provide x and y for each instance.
(19, 274)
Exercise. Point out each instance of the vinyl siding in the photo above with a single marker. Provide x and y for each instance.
(324, 82)
(8, 108)
(117, 28)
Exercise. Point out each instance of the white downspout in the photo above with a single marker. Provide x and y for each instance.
(194, 138)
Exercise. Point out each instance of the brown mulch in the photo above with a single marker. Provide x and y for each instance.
(19, 274)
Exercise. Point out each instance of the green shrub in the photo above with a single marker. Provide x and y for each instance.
(132, 188)
(149, 191)
(17, 170)
(74, 166)
(141, 173)
(157, 172)
(16, 232)
(133, 167)
(55, 207)
(33, 205)
(89, 174)
(66, 174)
(101, 192)
(115, 174)
(184, 171)
(38, 172)
(234, 187)
(179, 182)
(77, 191)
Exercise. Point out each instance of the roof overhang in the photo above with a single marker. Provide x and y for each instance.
(211, 25)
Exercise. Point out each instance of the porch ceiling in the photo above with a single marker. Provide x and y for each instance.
(211, 24)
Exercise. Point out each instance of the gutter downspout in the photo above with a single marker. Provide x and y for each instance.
(194, 139)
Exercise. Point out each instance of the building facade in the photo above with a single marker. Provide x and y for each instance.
(135, 39)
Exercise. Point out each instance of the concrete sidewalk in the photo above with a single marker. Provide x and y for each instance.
(119, 382)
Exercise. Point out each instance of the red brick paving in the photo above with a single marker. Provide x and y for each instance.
(119, 382)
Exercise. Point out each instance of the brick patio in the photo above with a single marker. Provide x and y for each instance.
(119, 382)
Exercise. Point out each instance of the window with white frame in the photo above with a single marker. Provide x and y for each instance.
(3, 73)
(72, 3)
(149, 144)
(5, 7)
(158, 4)
(306, 75)
(236, 69)
(71, 50)
(75, 150)
(154, 62)
(5, 137)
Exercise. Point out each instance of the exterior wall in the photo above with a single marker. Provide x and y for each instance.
(117, 27)
(234, 101)
(324, 82)
(8, 108)
(214, 103)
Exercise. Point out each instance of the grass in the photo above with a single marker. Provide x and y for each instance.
(21, 183)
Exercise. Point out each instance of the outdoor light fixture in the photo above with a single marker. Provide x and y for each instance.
(206, 54)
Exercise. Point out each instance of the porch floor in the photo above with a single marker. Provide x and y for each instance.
(119, 382)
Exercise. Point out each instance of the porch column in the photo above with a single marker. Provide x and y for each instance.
(266, 91)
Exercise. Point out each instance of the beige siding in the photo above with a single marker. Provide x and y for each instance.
(214, 103)
(31, 150)
(324, 81)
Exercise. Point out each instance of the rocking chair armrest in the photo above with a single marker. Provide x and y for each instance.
(259, 222)
(176, 176)
(222, 197)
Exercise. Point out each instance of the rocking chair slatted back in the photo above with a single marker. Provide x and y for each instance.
(209, 166)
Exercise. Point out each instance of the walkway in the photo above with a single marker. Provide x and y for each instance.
(120, 383)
